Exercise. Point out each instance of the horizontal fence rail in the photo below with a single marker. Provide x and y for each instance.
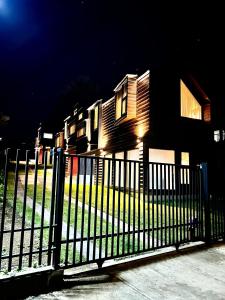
(85, 209)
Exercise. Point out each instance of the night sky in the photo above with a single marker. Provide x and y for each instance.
(49, 46)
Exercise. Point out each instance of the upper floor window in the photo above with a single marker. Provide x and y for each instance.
(121, 102)
(190, 108)
(80, 116)
(96, 117)
(80, 132)
(72, 129)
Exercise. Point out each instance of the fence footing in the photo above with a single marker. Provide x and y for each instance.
(55, 279)
(100, 263)
(177, 246)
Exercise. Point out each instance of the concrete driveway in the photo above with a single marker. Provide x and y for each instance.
(197, 273)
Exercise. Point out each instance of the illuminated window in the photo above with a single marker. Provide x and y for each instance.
(219, 135)
(184, 172)
(72, 129)
(161, 175)
(80, 116)
(190, 108)
(121, 102)
(80, 132)
(185, 158)
(96, 117)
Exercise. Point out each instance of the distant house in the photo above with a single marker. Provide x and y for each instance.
(44, 142)
(160, 116)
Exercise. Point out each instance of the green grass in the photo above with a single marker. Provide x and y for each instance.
(142, 214)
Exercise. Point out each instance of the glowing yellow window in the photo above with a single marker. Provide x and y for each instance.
(96, 117)
(118, 105)
(190, 108)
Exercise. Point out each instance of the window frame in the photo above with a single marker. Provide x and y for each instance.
(182, 114)
(78, 130)
(96, 122)
(122, 94)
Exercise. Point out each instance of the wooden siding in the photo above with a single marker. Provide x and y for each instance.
(116, 137)
(143, 105)
(131, 98)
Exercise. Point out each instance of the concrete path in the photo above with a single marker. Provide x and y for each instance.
(193, 274)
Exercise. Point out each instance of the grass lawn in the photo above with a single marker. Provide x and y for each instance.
(93, 211)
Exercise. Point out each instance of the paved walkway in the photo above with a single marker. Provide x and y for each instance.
(193, 274)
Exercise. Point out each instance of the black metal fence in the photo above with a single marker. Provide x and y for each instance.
(85, 209)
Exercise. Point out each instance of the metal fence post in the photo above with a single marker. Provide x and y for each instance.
(205, 198)
(59, 208)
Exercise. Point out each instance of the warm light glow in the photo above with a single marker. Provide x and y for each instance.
(162, 156)
(103, 142)
(185, 158)
(190, 108)
(140, 131)
(80, 116)
(96, 117)
(48, 136)
(80, 132)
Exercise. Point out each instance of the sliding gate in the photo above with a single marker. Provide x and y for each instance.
(87, 209)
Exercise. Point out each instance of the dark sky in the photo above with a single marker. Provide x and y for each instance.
(48, 45)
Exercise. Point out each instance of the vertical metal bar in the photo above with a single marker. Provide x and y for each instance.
(180, 197)
(153, 207)
(177, 170)
(157, 207)
(205, 195)
(169, 200)
(42, 210)
(201, 203)
(165, 204)
(139, 205)
(52, 209)
(69, 209)
(13, 212)
(173, 203)
(197, 201)
(148, 198)
(161, 207)
(101, 209)
(89, 211)
(134, 208)
(83, 209)
(183, 202)
(75, 235)
(107, 209)
(113, 207)
(118, 211)
(187, 199)
(96, 208)
(143, 191)
(24, 210)
(192, 197)
(33, 210)
(59, 207)
(124, 206)
(4, 201)
(129, 205)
